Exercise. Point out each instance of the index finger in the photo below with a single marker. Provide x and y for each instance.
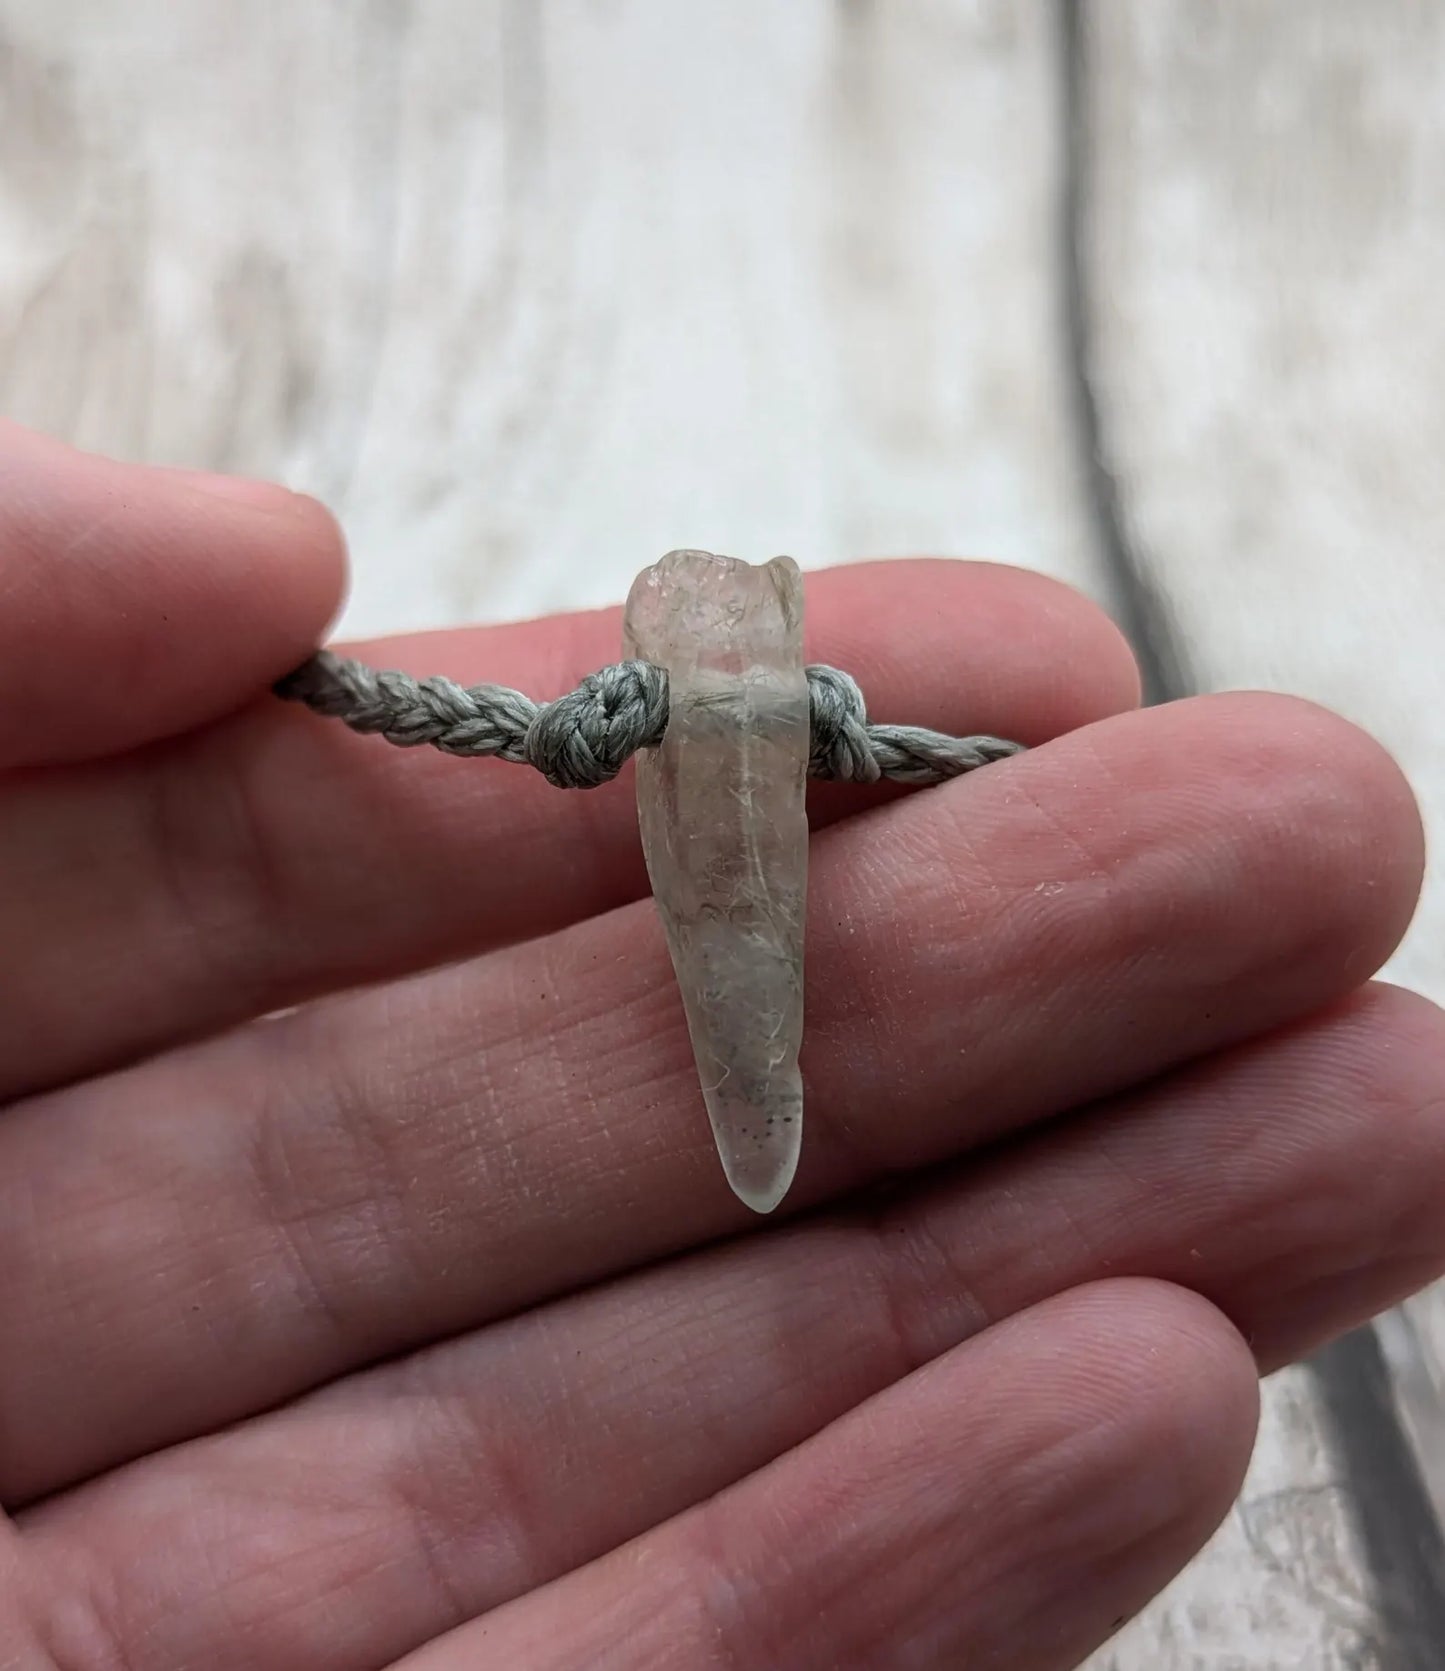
(277, 856)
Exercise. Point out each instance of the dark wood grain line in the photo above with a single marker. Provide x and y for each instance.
(1400, 1538)
(1389, 1502)
(1138, 603)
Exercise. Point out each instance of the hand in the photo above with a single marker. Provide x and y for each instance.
(416, 1323)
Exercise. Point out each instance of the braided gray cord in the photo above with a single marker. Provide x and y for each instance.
(584, 738)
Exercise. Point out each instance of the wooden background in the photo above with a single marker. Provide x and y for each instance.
(1151, 296)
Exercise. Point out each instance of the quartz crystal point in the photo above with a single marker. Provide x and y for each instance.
(721, 807)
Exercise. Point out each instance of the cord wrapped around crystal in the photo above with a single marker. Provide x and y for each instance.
(725, 723)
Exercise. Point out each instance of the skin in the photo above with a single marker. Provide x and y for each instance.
(415, 1325)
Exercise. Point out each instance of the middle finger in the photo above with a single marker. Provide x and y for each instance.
(263, 1212)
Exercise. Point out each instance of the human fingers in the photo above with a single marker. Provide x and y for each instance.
(256, 1215)
(1293, 1182)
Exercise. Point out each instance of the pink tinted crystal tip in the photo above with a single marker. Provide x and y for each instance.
(724, 828)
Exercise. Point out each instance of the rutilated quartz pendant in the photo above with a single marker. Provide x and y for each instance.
(724, 828)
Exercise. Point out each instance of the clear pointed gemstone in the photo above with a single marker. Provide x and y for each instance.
(724, 828)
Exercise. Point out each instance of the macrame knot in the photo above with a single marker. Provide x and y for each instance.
(585, 738)
(841, 748)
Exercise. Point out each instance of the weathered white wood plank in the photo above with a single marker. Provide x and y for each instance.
(532, 294)
(1270, 201)
(1268, 209)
